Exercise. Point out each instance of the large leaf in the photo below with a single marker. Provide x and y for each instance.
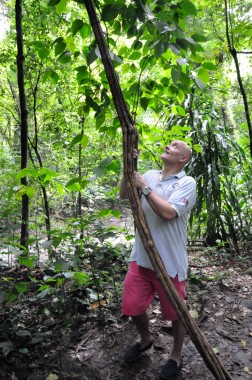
(27, 172)
(203, 75)
(110, 12)
(85, 30)
(188, 7)
(61, 6)
(76, 26)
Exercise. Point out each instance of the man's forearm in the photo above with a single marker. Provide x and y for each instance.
(123, 192)
(161, 207)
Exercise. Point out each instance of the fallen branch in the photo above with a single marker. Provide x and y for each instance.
(129, 142)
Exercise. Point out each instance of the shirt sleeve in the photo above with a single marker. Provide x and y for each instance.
(184, 198)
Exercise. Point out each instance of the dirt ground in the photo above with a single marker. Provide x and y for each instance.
(89, 343)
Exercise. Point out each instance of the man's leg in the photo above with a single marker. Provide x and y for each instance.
(142, 325)
(178, 340)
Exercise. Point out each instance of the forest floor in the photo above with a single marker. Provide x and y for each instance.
(87, 342)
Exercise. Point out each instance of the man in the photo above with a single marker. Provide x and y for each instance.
(167, 197)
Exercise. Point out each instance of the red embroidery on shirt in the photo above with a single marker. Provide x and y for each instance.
(185, 201)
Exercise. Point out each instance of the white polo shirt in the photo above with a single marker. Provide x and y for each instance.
(169, 236)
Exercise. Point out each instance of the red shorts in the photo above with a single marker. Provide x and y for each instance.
(140, 286)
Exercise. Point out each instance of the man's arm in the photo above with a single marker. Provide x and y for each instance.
(123, 191)
(161, 207)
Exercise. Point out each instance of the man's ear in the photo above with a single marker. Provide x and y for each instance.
(184, 158)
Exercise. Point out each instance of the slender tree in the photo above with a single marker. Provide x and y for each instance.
(23, 121)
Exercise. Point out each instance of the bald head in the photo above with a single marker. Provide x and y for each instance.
(176, 155)
(185, 151)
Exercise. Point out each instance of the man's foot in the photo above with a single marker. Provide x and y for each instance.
(134, 352)
(171, 368)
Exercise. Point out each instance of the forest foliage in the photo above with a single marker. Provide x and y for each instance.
(175, 61)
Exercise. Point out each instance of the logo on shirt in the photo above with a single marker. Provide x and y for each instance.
(175, 185)
(185, 201)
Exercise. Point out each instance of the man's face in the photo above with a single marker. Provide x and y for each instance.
(174, 151)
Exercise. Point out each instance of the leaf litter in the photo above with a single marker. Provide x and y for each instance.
(88, 341)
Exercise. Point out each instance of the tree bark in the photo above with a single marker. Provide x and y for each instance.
(129, 141)
(23, 122)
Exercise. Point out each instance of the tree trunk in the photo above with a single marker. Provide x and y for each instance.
(23, 122)
(129, 141)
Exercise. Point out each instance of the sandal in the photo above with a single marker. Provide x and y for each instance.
(134, 352)
(171, 368)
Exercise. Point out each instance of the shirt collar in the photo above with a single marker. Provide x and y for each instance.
(178, 175)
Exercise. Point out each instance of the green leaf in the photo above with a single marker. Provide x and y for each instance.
(27, 172)
(180, 95)
(70, 43)
(102, 166)
(25, 190)
(81, 277)
(181, 111)
(54, 77)
(136, 55)
(144, 103)
(59, 188)
(82, 74)
(76, 26)
(188, 7)
(30, 192)
(175, 74)
(209, 66)
(65, 57)
(61, 6)
(47, 174)
(6, 347)
(23, 350)
(27, 261)
(150, 26)
(182, 43)
(199, 37)
(159, 49)
(53, 2)
(91, 57)
(74, 184)
(77, 139)
(84, 141)
(23, 333)
(137, 45)
(203, 75)
(110, 12)
(60, 46)
(113, 167)
(85, 30)
(43, 53)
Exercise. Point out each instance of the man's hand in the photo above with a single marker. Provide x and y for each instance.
(139, 181)
(136, 152)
